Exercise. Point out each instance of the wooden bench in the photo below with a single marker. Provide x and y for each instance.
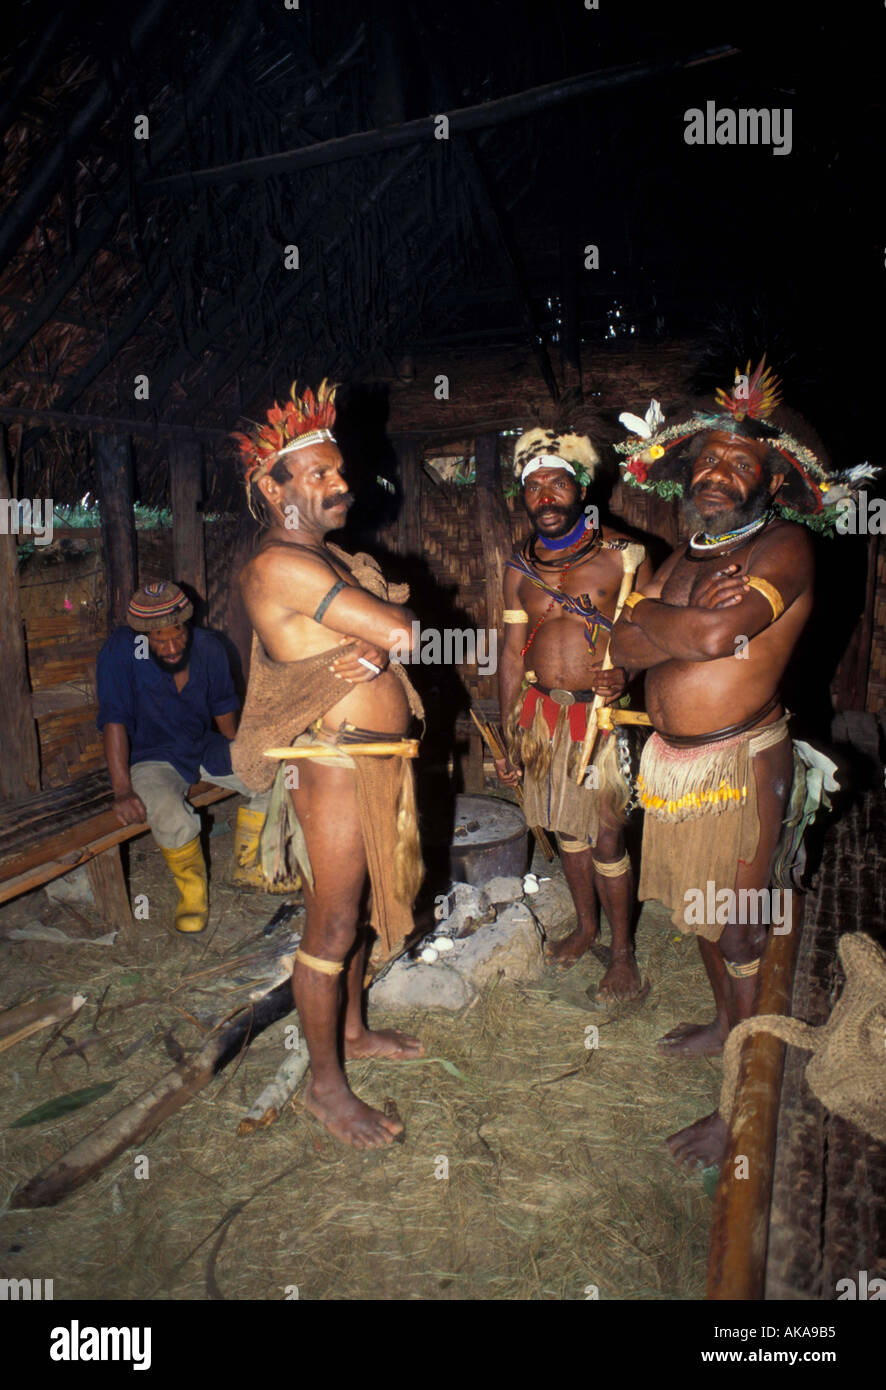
(49, 834)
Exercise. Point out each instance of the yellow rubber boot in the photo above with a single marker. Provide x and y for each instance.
(189, 871)
(247, 862)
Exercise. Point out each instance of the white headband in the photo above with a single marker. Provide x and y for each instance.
(546, 461)
(305, 441)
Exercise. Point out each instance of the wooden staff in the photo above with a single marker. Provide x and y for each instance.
(634, 555)
(493, 743)
(405, 748)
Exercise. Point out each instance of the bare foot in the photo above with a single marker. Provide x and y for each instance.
(700, 1145)
(693, 1040)
(622, 981)
(350, 1120)
(570, 948)
(387, 1042)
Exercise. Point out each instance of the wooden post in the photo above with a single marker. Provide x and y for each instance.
(740, 1221)
(408, 453)
(495, 530)
(113, 463)
(19, 750)
(105, 873)
(185, 491)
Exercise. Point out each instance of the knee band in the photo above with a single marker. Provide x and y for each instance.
(740, 971)
(615, 868)
(323, 967)
(572, 846)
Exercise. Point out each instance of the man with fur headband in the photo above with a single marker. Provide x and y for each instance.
(724, 792)
(321, 679)
(560, 597)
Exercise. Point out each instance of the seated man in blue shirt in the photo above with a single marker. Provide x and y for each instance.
(167, 711)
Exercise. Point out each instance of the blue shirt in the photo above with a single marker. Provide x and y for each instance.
(164, 724)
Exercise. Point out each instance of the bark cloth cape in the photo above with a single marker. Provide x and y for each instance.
(285, 702)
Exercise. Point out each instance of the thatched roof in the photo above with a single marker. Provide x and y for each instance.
(566, 130)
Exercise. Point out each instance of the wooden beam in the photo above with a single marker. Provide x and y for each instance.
(19, 749)
(186, 495)
(409, 453)
(44, 175)
(422, 131)
(91, 237)
(495, 527)
(110, 424)
(114, 475)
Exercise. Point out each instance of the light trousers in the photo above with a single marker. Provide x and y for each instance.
(173, 820)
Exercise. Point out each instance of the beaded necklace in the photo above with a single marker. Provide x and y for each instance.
(731, 538)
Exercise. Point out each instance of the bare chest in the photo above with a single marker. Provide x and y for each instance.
(687, 574)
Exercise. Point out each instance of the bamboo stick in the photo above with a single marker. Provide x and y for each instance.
(634, 556)
(405, 748)
(497, 749)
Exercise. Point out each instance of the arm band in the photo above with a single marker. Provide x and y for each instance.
(327, 599)
(770, 593)
(515, 615)
(633, 599)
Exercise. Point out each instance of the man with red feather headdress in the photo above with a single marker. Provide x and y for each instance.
(322, 681)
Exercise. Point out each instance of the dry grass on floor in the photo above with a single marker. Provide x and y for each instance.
(557, 1178)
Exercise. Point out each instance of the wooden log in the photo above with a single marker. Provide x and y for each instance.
(740, 1222)
(488, 113)
(113, 461)
(19, 749)
(142, 1116)
(268, 1104)
(186, 490)
(25, 1019)
(105, 872)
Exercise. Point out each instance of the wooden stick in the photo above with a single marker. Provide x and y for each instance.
(142, 1116)
(267, 1106)
(497, 749)
(406, 748)
(21, 1022)
(634, 556)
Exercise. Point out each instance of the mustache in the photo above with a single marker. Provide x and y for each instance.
(700, 488)
(346, 497)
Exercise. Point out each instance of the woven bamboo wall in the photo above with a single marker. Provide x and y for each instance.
(63, 606)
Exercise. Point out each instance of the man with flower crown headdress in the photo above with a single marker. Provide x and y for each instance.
(322, 680)
(724, 790)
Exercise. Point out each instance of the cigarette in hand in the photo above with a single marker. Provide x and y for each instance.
(369, 665)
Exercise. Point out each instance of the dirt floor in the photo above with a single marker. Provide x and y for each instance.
(538, 1173)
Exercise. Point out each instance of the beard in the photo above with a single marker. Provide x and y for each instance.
(172, 668)
(742, 513)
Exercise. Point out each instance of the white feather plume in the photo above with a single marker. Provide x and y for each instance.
(647, 427)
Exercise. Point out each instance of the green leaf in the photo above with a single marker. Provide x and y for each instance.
(133, 978)
(63, 1105)
(709, 1179)
(445, 1063)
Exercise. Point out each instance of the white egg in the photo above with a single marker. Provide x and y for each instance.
(530, 886)
(444, 943)
(429, 955)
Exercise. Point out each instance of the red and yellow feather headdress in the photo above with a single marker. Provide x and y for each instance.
(298, 423)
